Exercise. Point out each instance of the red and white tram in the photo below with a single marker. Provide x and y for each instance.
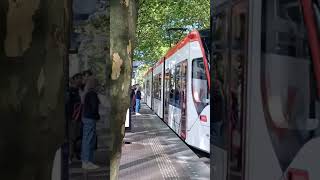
(266, 83)
(177, 89)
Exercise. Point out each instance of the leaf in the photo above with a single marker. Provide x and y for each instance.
(156, 16)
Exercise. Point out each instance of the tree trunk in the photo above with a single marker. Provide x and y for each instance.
(33, 52)
(123, 16)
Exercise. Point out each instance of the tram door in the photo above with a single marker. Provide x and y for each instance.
(183, 98)
(167, 80)
(153, 89)
(237, 89)
(229, 81)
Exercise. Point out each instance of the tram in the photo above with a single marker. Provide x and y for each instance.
(177, 89)
(265, 73)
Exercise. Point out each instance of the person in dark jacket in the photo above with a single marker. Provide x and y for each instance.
(138, 99)
(133, 98)
(90, 116)
(74, 113)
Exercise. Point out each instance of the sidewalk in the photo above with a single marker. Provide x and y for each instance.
(155, 152)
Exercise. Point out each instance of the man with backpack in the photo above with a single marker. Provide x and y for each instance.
(90, 117)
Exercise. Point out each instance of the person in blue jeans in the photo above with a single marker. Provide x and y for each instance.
(90, 117)
(138, 99)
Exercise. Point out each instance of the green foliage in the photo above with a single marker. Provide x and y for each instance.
(141, 71)
(156, 16)
(92, 50)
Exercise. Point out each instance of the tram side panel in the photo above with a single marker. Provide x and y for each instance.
(187, 96)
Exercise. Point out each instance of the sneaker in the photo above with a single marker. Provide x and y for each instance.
(84, 165)
(93, 166)
(89, 166)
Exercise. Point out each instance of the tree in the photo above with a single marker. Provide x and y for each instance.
(157, 16)
(33, 53)
(123, 16)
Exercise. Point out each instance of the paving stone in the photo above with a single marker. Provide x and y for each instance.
(157, 153)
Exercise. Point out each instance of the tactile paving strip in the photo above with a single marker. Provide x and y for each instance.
(163, 155)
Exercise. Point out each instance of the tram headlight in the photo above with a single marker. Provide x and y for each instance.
(203, 118)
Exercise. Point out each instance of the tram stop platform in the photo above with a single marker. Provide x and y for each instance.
(152, 151)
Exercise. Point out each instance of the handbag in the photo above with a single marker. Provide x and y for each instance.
(77, 110)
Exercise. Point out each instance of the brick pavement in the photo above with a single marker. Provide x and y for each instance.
(157, 153)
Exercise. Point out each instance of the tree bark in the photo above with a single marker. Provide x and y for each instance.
(123, 15)
(33, 51)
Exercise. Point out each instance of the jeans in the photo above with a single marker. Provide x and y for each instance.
(88, 139)
(75, 135)
(137, 105)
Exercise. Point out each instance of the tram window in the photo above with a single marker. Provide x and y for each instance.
(291, 80)
(205, 38)
(154, 87)
(167, 86)
(289, 10)
(284, 24)
(172, 86)
(183, 89)
(150, 86)
(220, 31)
(288, 83)
(147, 88)
(199, 85)
(157, 86)
(219, 73)
(178, 85)
(238, 27)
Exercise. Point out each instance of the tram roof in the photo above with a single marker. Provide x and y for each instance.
(194, 35)
(149, 70)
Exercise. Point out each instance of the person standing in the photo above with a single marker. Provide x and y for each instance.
(74, 107)
(138, 99)
(133, 98)
(90, 116)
